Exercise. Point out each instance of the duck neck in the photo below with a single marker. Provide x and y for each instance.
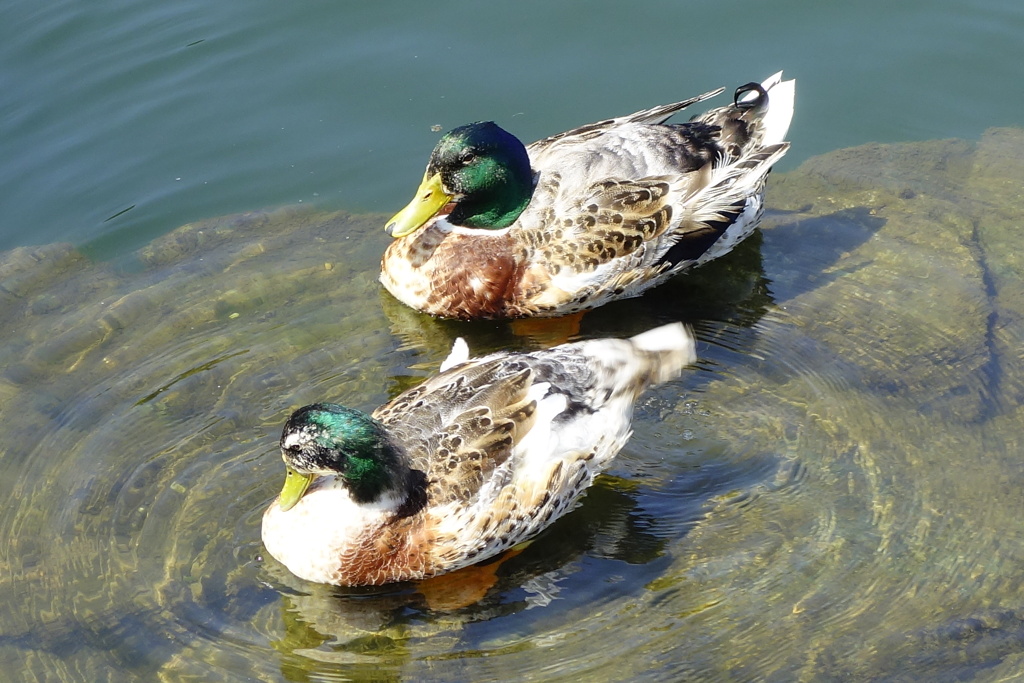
(495, 207)
(385, 472)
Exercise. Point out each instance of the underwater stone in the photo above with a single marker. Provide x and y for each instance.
(912, 300)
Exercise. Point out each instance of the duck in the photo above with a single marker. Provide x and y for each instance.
(499, 230)
(476, 460)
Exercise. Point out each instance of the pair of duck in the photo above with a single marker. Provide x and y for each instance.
(483, 456)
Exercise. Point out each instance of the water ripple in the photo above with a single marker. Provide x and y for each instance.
(769, 514)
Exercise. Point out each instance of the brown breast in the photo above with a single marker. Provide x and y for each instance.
(456, 276)
(400, 551)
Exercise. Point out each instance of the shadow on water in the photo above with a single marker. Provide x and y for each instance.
(719, 299)
(831, 493)
(609, 547)
(611, 532)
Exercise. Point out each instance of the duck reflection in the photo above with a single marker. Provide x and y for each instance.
(609, 525)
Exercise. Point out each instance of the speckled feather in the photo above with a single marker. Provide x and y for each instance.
(618, 207)
(502, 445)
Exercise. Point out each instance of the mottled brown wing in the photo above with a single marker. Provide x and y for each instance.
(459, 426)
(615, 220)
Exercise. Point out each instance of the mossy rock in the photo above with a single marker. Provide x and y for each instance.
(933, 284)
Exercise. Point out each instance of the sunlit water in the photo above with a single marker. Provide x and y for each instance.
(832, 493)
(123, 120)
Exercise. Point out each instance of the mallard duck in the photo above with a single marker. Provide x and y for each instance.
(475, 460)
(602, 212)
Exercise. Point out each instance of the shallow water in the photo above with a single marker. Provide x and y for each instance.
(832, 493)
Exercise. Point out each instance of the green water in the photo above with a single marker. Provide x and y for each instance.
(832, 494)
(123, 120)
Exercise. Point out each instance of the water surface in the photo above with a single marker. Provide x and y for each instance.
(832, 493)
(124, 120)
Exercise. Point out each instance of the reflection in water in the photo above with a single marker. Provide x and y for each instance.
(832, 493)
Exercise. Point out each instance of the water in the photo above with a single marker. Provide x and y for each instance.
(833, 493)
(124, 120)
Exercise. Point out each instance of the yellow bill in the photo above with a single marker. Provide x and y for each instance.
(430, 198)
(295, 485)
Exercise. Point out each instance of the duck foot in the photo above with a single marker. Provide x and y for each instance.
(466, 586)
(548, 332)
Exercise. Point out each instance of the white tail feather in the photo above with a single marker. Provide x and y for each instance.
(781, 100)
(673, 343)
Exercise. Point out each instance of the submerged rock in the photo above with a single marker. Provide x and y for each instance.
(832, 489)
(935, 283)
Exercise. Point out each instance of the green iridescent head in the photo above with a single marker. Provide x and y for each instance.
(329, 439)
(480, 172)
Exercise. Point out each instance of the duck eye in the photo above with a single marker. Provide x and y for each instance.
(467, 158)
